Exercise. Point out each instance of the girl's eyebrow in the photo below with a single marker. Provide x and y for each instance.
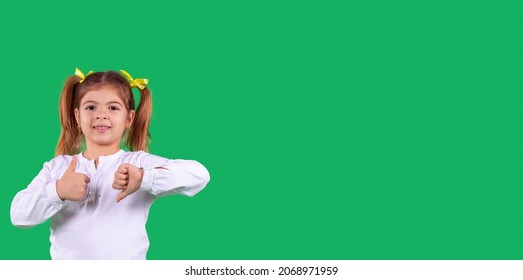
(110, 102)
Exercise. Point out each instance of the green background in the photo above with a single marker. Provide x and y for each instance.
(331, 130)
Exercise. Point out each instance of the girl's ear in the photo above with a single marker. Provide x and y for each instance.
(130, 119)
(77, 116)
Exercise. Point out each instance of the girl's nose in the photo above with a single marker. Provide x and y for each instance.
(101, 117)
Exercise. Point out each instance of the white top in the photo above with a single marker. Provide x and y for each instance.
(97, 227)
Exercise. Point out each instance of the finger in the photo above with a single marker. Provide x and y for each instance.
(120, 182)
(121, 176)
(122, 168)
(86, 178)
(119, 187)
(121, 196)
(72, 164)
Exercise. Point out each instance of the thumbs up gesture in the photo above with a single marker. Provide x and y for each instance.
(128, 179)
(72, 185)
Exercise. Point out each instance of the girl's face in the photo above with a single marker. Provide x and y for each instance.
(103, 118)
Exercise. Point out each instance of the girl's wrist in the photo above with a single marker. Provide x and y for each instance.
(58, 188)
(142, 172)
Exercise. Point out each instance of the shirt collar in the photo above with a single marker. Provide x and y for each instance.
(103, 158)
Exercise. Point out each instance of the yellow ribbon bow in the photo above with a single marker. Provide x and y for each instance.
(139, 83)
(81, 75)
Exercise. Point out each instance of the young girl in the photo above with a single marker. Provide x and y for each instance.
(99, 199)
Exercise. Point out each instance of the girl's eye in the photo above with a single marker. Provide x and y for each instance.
(113, 108)
(89, 107)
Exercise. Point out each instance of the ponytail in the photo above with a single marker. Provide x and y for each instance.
(139, 137)
(70, 138)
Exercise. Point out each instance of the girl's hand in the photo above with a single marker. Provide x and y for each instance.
(72, 185)
(128, 179)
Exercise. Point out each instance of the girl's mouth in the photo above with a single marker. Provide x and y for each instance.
(101, 129)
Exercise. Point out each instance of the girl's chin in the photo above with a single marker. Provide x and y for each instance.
(102, 142)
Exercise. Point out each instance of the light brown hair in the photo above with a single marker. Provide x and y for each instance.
(70, 141)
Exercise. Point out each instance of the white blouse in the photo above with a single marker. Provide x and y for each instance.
(97, 227)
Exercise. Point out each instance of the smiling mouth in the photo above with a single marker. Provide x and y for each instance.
(101, 128)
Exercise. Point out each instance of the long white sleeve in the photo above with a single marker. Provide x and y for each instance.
(38, 202)
(164, 177)
(108, 230)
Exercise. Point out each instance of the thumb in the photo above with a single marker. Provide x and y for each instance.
(121, 196)
(72, 165)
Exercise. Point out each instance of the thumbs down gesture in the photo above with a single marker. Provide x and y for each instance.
(127, 179)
